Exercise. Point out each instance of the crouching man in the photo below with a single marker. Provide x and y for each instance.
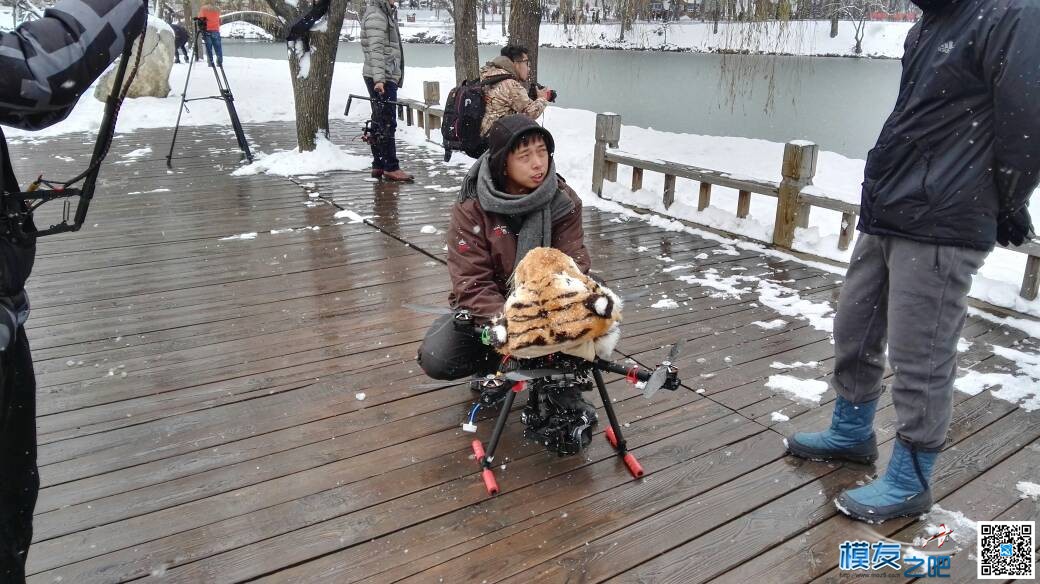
(511, 202)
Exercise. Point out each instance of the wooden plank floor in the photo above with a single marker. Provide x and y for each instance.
(199, 418)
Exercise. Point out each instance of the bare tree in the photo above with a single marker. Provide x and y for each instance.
(525, 16)
(858, 11)
(446, 5)
(311, 71)
(628, 11)
(467, 59)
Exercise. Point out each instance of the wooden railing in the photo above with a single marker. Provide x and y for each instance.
(795, 197)
(427, 114)
(794, 193)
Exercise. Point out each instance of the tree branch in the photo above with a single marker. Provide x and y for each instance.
(286, 11)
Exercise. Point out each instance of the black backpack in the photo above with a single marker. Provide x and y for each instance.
(463, 114)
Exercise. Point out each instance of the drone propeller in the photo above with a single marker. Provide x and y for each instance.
(427, 309)
(438, 310)
(660, 375)
(442, 384)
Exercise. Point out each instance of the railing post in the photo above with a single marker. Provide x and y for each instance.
(798, 170)
(608, 132)
(431, 97)
(1031, 279)
(802, 215)
(743, 204)
(669, 190)
(637, 178)
(848, 229)
(431, 92)
(704, 197)
(409, 115)
(433, 122)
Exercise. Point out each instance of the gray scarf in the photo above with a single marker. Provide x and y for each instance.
(538, 209)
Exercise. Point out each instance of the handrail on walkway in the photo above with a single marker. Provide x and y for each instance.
(796, 196)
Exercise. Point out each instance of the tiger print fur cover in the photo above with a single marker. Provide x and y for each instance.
(553, 307)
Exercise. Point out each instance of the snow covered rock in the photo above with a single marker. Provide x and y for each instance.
(153, 77)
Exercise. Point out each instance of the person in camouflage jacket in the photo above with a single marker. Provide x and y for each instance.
(510, 95)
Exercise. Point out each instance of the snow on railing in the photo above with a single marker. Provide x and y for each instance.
(795, 194)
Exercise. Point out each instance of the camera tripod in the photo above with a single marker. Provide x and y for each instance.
(225, 96)
(555, 373)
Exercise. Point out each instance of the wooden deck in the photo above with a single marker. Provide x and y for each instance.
(199, 418)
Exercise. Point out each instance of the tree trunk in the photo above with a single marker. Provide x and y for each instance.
(483, 14)
(312, 92)
(524, 19)
(502, 15)
(467, 60)
(190, 10)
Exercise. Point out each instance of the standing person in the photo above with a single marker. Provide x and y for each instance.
(509, 95)
(43, 71)
(384, 75)
(180, 42)
(210, 18)
(952, 173)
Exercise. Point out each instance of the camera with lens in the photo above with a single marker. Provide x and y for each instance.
(533, 92)
(557, 418)
(200, 21)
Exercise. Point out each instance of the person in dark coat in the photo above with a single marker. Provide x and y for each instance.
(44, 69)
(180, 42)
(951, 175)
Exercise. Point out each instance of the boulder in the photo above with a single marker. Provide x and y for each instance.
(153, 76)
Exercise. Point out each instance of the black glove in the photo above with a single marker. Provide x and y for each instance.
(1014, 228)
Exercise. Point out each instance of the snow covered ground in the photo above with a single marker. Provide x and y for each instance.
(881, 39)
(837, 175)
(7, 17)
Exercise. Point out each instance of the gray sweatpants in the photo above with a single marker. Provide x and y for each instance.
(914, 296)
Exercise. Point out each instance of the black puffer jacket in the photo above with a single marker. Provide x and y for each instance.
(963, 143)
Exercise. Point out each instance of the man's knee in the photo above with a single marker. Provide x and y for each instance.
(438, 367)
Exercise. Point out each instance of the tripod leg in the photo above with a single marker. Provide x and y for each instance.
(613, 433)
(229, 100)
(184, 95)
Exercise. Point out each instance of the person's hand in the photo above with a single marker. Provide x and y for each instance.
(543, 93)
(379, 88)
(1014, 228)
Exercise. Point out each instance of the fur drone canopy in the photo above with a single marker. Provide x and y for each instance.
(553, 308)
